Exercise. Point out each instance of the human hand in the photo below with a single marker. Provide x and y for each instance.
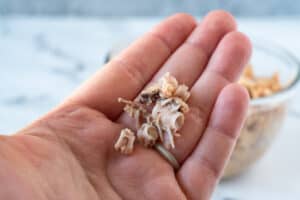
(69, 154)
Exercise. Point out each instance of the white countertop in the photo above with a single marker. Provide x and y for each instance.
(43, 60)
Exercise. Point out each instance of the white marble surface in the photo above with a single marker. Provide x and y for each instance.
(42, 60)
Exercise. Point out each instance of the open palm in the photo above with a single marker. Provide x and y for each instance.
(69, 154)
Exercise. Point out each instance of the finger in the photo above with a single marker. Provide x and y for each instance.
(127, 74)
(202, 170)
(224, 67)
(189, 60)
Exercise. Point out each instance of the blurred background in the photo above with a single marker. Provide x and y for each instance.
(113, 8)
(48, 47)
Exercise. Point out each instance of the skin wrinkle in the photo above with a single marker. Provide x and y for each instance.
(61, 140)
(202, 158)
(172, 63)
(111, 193)
(220, 76)
(88, 173)
(179, 27)
(197, 113)
(73, 151)
(87, 115)
(22, 148)
(206, 182)
(221, 25)
(214, 172)
(132, 69)
(77, 161)
(24, 191)
(111, 184)
(206, 54)
(234, 43)
(26, 143)
(157, 36)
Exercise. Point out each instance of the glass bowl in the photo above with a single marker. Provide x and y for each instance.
(265, 115)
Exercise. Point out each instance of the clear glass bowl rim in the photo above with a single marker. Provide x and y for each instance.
(274, 49)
